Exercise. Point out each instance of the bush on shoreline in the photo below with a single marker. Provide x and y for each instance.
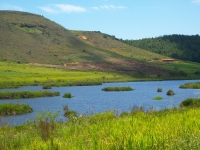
(190, 102)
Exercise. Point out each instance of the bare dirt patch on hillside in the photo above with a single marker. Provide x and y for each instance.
(120, 67)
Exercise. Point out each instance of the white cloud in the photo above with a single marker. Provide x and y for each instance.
(48, 9)
(196, 1)
(70, 8)
(10, 7)
(60, 8)
(95, 8)
(109, 7)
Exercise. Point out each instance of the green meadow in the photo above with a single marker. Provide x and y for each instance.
(16, 75)
(166, 129)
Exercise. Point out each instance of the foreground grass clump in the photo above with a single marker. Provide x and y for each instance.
(67, 95)
(125, 88)
(167, 129)
(190, 85)
(27, 94)
(68, 112)
(190, 102)
(14, 109)
(157, 98)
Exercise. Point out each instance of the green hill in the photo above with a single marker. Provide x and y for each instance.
(30, 38)
(181, 47)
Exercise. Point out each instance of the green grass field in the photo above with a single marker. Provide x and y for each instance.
(167, 129)
(15, 75)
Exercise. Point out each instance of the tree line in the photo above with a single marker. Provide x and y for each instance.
(183, 47)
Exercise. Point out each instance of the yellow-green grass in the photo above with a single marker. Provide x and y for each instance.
(14, 75)
(14, 109)
(168, 129)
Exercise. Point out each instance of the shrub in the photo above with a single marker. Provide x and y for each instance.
(159, 90)
(190, 102)
(170, 93)
(67, 95)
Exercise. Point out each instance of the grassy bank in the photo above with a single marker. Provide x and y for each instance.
(14, 109)
(27, 94)
(167, 129)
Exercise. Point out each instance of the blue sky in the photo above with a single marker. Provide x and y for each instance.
(126, 19)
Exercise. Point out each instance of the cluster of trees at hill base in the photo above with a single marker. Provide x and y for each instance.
(182, 47)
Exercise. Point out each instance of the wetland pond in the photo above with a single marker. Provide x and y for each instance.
(91, 99)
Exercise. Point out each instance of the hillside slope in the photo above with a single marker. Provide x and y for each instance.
(183, 47)
(30, 38)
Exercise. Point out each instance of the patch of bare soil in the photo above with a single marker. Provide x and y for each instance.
(120, 67)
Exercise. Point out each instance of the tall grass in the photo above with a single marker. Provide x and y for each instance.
(167, 129)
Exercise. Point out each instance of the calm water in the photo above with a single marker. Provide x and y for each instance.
(90, 99)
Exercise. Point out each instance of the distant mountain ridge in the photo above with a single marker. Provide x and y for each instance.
(183, 47)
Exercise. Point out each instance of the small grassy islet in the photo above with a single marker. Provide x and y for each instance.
(195, 85)
(125, 88)
(157, 98)
(14, 109)
(67, 95)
